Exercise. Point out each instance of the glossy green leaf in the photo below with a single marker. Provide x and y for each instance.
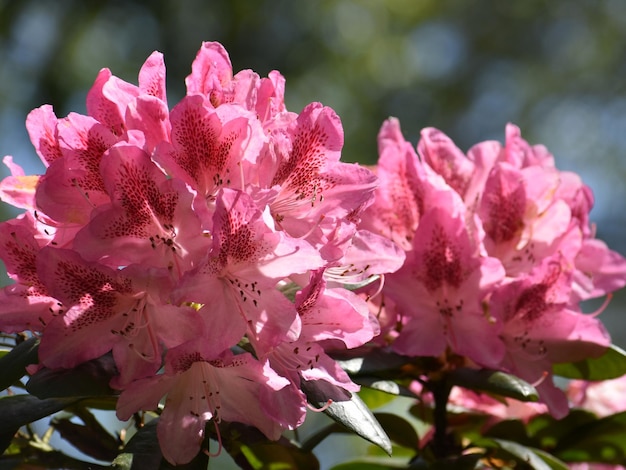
(553, 462)
(87, 379)
(523, 454)
(510, 430)
(399, 430)
(611, 365)
(369, 362)
(497, 382)
(387, 386)
(348, 410)
(13, 364)
(374, 398)
(142, 452)
(19, 410)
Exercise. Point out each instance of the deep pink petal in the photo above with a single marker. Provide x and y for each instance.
(211, 70)
(440, 152)
(41, 124)
(152, 77)
(150, 219)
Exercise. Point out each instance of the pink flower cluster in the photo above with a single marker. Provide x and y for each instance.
(174, 238)
(211, 249)
(500, 253)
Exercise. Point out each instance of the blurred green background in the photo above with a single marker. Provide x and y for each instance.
(557, 68)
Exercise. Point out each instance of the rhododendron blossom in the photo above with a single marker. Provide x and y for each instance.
(225, 262)
(498, 256)
(169, 238)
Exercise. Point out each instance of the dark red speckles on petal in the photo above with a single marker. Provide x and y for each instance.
(534, 301)
(504, 204)
(238, 239)
(442, 261)
(185, 361)
(301, 171)
(204, 148)
(94, 292)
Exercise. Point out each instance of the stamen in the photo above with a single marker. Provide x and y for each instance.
(219, 442)
(379, 290)
(323, 408)
(539, 381)
(82, 192)
(243, 183)
(602, 307)
(312, 229)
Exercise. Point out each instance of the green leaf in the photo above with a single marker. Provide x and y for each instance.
(399, 430)
(18, 410)
(348, 410)
(374, 398)
(611, 365)
(497, 382)
(142, 452)
(523, 454)
(462, 462)
(510, 430)
(369, 362)
(546, 432)
(551, 460)
(87, 379)
(276, 456)
(91, 438)
(387, 386)
(13, 364)
(601, 441)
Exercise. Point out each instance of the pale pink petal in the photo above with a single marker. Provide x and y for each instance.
(599, 270)
(18, 189)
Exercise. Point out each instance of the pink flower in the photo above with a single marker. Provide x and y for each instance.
(212, 77)
(236, 283)
(105, 309)
(122, 107)
(149, 220)
(440, 292)
(312, 184)
(407, 189)
(541, 327)
(200, 386)
(27, 304)
(211, 148)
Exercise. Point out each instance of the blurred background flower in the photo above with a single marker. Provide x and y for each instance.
(554, 68)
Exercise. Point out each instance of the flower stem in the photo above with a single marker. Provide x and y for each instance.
(442, 446)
